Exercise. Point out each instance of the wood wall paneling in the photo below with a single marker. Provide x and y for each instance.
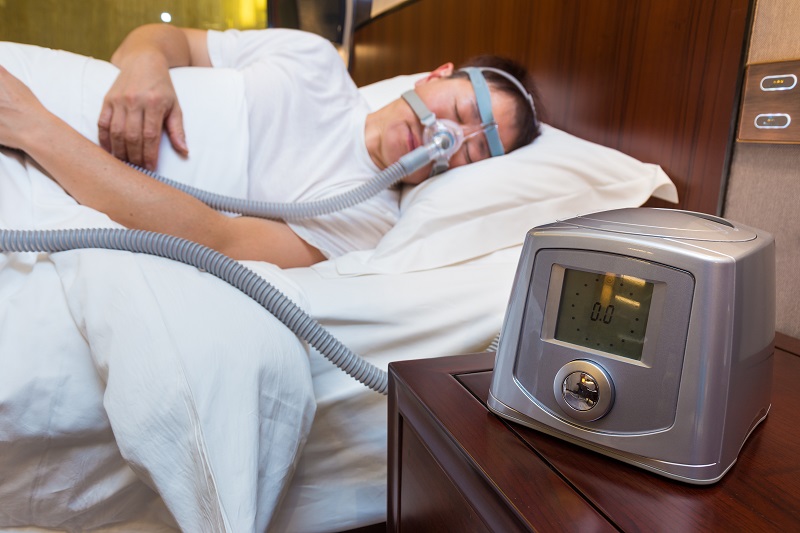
(657, 79)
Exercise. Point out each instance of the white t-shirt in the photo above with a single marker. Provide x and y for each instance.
(306, 126)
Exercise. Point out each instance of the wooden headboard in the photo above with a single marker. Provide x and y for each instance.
(656, 79)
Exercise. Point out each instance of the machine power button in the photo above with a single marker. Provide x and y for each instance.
(583, 390)
(580, 391)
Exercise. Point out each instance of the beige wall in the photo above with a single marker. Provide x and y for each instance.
(96, 27)
(764, 183)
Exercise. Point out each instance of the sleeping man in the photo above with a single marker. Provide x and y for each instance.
(310, 135)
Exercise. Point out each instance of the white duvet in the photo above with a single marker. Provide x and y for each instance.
(116, 368)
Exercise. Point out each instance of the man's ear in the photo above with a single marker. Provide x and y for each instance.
(442, 71)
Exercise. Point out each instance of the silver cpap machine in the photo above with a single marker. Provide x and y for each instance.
(643, 334)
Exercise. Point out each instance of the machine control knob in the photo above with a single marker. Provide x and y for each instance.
(580, 391)
(583, 390)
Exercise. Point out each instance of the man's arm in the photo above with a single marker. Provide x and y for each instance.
(142, 101)
(97, 179)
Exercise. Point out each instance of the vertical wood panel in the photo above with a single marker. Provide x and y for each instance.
(657, 79)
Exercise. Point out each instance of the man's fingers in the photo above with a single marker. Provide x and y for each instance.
(134, 114)
(104, 126)
(177, 135)
(151, 136)
(117, 134)
(133, 137)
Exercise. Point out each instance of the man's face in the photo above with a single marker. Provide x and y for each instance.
(399, 131)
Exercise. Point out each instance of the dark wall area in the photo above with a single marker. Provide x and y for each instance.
(657, 79)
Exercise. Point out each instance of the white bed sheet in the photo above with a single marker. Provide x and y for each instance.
(340, 482)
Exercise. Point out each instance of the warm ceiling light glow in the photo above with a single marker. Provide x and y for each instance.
(247, 13)
(166, 17)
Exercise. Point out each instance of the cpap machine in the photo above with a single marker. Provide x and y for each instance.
(642, 334)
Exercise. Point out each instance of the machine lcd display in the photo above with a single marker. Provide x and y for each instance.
(606, 312)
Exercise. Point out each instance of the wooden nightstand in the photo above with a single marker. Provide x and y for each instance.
(454, 466)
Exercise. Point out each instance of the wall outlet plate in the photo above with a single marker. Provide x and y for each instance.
(770, 110)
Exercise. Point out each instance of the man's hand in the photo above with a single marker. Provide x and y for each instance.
(139, 105)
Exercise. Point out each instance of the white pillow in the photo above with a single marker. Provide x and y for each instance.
(477, 209)
(383, 92)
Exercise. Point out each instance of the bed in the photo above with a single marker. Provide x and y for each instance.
(139, 394)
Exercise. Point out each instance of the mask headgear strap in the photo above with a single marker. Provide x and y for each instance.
(481, 89)
(517, 84)
(484, 100)
(424, 114)
(427, 118)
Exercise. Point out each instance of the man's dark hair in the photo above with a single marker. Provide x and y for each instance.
(527, 123)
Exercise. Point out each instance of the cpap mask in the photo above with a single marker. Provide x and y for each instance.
(442, 138)
(447, 132)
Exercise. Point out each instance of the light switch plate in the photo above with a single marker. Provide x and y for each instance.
(770, 110)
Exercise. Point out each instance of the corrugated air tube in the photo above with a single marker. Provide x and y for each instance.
(213, 262)
(232, 272)
(289, 211)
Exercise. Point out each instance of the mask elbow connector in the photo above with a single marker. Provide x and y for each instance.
(442, 139)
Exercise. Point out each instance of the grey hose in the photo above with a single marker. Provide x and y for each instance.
(495, 344)
(232, 272)
(406, 165)
(220, 265)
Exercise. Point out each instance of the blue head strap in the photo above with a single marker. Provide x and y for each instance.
(484, 101)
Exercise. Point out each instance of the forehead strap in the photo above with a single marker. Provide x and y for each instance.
(483, 98)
